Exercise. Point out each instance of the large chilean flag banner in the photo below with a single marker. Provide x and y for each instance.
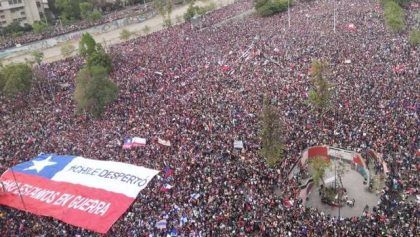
(83, 192)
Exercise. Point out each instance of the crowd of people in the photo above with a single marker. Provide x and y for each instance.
(201, 89)
(61, 29)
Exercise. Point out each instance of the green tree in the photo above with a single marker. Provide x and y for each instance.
(69, 9)
(94, 53)
(67, 49)
(100, 58)
(320, 94)
(94, 91)
(271, 135)
(414, 37)
(39, 26)
(394, 15)
(270, 7)
(95, 16)
(13, 27)
(87, 46)
(125, 34)
(16, 79)
(38, 56)
(317, 167)
(86, 9)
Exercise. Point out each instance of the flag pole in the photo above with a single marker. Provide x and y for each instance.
(288, 11)
(334, 15)
(3, 189)
(20, 194)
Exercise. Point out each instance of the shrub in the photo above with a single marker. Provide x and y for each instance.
(125, 34)
(190, 13)
(37, 56)
(146, 30)
(67, 49)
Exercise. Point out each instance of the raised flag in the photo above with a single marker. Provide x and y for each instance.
(237, 144)
(128, 143)
(168, 172)
(134, 142)
(351, 27)
(195, 196)
(166, 188)
(161, 224)
(183, 220)
(164, 142)
(225, 68)
(83, 192)
(288, 203)
(138, 141)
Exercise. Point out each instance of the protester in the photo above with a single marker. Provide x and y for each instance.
(201, 89)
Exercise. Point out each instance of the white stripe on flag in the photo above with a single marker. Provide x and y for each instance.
(108, 175)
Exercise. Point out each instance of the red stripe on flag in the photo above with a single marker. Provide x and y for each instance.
(85, 207)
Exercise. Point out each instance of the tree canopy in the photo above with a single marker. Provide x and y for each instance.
(39, 26)
(394, 15)
(197, 11)
(87, 45)
(94, 90)
(86, 9)
(100, 58)
(15, 79)
(69, 9)
(270, 7)
(94, 53)
(271, 135)
(317, 167)
(320, 94)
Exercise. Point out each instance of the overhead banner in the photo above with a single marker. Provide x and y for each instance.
(88, 193)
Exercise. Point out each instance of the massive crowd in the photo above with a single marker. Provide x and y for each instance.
(202, 89)
(61, 29)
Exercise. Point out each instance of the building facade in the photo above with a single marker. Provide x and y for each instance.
(22, 11)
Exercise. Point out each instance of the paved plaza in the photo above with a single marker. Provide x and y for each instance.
(353, 182)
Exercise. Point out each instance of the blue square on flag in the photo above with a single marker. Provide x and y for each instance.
(45, 165)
